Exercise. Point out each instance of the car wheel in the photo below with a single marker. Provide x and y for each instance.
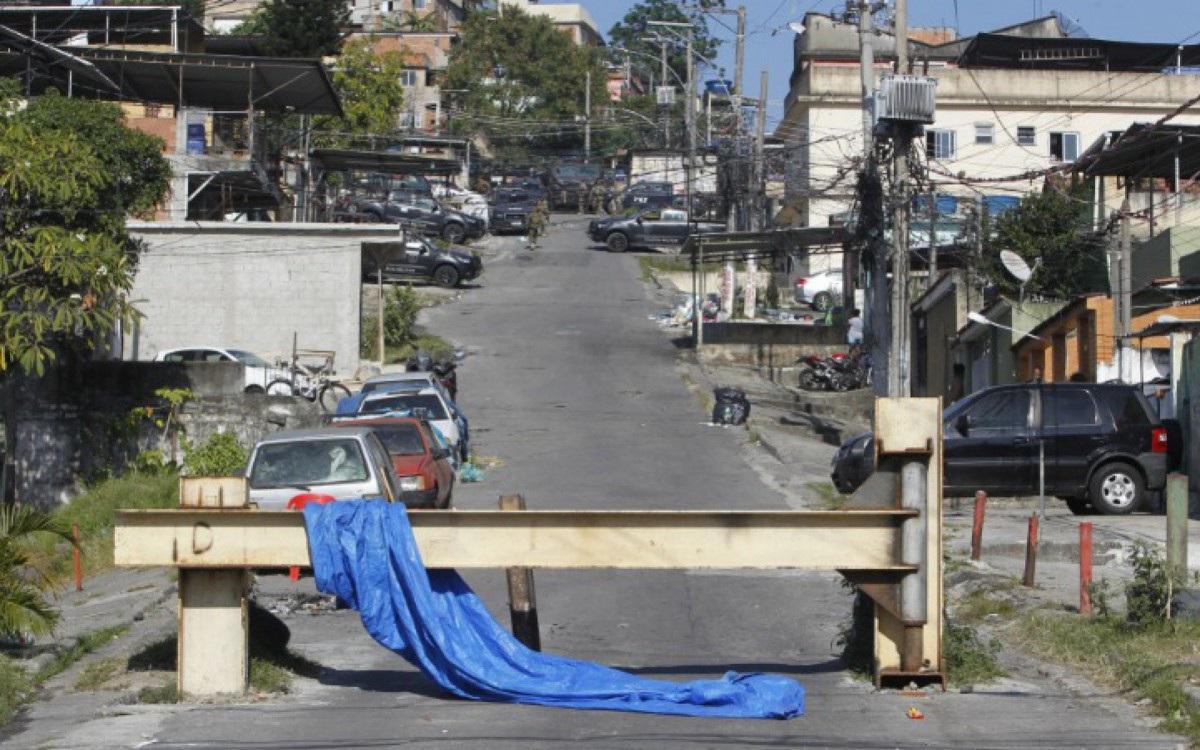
(1078, 505)
(617, 242)
(1116, 489)
(454, 233)
(822, 301)
(446, 276)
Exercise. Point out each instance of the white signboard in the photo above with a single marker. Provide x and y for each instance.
(666, 95)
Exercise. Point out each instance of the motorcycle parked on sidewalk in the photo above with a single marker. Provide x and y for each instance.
(823, 374)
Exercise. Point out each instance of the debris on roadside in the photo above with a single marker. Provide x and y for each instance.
(470, 473)
(731, 407)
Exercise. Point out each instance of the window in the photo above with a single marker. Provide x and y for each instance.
(985, 133)
(940, 144)
(1071, 408)
(419, 4)
(1026, 135)
(401, 439)
(1064, 146)
(307, 462)
(409, 77)
(410, 403)
(1006, 410)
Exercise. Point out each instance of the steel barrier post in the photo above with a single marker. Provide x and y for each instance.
(522, 598)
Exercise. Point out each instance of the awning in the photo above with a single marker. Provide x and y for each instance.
(344, 159)
(104, 24)
(52, 62)
(229, 83)
(1004, 51)
(740, 246)
(1145, 150)
(1164, 327)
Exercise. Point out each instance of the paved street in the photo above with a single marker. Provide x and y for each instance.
(577, 394)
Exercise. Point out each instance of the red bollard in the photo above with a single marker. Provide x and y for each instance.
(1031, 543)
(1085, 568)
(76, 558)
(977, 525)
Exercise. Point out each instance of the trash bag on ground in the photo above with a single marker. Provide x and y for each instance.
(364, 553)
(731, 407)
(470, 473)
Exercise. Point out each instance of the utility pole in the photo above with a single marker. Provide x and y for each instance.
(587, 118)
(933, 250)
(757, 208)
(899, 375)
(1123, 320)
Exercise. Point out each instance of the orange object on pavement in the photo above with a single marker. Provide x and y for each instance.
(297, 503)
(914, 713)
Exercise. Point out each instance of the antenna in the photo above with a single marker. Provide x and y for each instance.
(1019, 269)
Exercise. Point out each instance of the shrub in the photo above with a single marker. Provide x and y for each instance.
(220, 456)
(1148, 595)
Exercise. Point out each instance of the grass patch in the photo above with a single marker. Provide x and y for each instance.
(167, 693)
(652, 264)
(97, 674)
(1152, 661)
(981, 604)
(86, 644)
(94, 512)
(15, 689)
(828, 495)
(969, 657)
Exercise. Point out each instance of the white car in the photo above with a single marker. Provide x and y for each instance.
(429, 403)
(466, 201)
(348, 463)
(259, 372)
(820, 290)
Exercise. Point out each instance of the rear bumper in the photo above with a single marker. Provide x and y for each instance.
(1155, 467)
(419, 498)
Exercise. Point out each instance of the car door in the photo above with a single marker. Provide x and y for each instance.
(674, 226)
(1073, 432)
(989, 445)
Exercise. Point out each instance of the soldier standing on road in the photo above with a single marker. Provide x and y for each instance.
(595, 197)
(537, 223)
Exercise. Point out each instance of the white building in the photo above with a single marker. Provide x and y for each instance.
(571, 18)
(1018, 100)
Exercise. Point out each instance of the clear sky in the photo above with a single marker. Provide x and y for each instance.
(1142, 20)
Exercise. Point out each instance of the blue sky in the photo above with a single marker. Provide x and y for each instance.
(1145, 21)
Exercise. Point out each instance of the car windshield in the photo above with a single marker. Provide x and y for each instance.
(305, 463)
(396, 385)
(246, 358)
(408, 403)
(400, 439)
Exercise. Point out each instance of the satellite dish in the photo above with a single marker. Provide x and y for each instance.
(1015, 265)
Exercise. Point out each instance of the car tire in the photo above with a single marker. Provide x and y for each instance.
(1116, 489)
(1078, 505)
(822, 301)
(454, 233)
(617, 242)
(281, 387)
(446, 276)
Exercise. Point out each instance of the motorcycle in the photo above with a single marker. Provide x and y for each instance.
(824, 374)
(447, 375)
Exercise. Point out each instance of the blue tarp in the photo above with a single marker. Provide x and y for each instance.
(364, 553)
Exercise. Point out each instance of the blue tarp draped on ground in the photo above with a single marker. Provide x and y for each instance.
(364, 552)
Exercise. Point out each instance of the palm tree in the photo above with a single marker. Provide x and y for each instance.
(23, 606)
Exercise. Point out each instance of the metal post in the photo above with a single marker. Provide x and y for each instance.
(587, 118)
(756, 207)
(1178, 191)
(522, 598)
(913, 547)
(1177, 523)
(1122, 320)
(899, 378)
(1031, 545)
(933, 250)
(1085, 568)
(977, 525)
(379, 263)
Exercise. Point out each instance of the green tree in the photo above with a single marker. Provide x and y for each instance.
(629, 33)
(523, 79)
(1051, 226)
(368, 83)
(23, 606)
(302, 28)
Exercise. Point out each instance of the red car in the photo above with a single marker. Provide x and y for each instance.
(426, 477)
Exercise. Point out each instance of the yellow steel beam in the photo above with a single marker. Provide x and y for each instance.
(807, 540)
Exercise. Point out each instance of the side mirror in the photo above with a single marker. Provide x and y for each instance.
(963, 425)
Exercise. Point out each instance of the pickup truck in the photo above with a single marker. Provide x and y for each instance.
(509, 209)
(648, 229)
(420, 211)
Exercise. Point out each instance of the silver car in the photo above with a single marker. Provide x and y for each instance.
(347, 463)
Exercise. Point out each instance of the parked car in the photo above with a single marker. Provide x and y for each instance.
(409, 382)
(510, 208)
(427, 403)
(648, 229)
(1104, 447)
(820, 291)
(415, 209)
(421, 259)
(259, 372)
(465, 201)
(426, 477)
(568, 184)
(346, 463)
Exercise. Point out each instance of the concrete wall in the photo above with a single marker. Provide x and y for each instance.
(250, 286)
(83, 421)
(768, 344)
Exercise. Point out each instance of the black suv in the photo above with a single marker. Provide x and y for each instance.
(1103, 445)
(509, 209)
(644, 195)
(419, 258)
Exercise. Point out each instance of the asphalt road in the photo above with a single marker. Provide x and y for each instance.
(577, 393)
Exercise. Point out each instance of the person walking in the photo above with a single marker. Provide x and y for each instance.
(854, 328)
(537, 223)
